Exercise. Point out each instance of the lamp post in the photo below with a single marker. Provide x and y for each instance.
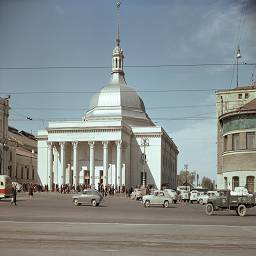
(144, 144)
(238, 56)
(186, 173)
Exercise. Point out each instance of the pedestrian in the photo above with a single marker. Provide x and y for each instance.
(30, 191)
(14, 195)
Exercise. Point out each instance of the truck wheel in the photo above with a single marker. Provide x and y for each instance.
(201, 201)
(241, 210)
(166, 204)
(209, 209)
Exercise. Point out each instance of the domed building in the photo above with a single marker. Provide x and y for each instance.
(116, 143)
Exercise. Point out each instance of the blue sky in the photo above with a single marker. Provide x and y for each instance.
(82, 33)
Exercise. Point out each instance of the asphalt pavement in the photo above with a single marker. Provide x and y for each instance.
(49, 224)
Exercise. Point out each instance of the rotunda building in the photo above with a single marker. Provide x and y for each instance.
(115, 144)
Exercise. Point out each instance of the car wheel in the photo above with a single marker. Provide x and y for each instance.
(174, 201)
(147, 203)
(76, 203)
(201, 201)
(94, 203)
(166, 204)
(209, 209)
(241, 210)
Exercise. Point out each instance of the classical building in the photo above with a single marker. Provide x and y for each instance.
(115, 142)
(4, 114)
(236, 138)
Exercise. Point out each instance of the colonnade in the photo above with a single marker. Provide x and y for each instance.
(105, 144)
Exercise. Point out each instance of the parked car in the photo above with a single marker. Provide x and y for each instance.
(158, 197)
(17, 185)
(138, 193)
(203, 198)
(88, 196)
(193, 196)
(173, 194)
(183, 195)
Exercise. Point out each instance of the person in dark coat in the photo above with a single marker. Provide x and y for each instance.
(14, 195)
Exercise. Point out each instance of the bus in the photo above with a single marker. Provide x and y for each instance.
(5, 186)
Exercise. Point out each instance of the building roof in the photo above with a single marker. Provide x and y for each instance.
(240, 88)
(248, 108)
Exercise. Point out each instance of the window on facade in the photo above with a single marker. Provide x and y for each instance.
(250, 140)
(21, 175)
(27, 173)
(240, 96)
(235, 182)
(235, 142)
(225, 145)
(33, 174)
(16, 174)
(11, 156)
(250, 184)
(225, 182)
(246, 95)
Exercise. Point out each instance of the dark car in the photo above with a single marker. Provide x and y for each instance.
(89, 197)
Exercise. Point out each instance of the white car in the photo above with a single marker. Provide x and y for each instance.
(158, 197)
(203, 199)
(173, 194)
(17, 185)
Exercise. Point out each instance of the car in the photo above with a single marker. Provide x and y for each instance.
(173, 194)
(17, 185)
(89, 197)
(138, 193)
(158, 197)
(203, 198)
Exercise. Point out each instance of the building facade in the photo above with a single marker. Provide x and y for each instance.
(115, 143)
(22, 156)
(4, 114)
(236, 138)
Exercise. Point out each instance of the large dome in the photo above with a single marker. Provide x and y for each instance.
(115, 95)
(117, 101)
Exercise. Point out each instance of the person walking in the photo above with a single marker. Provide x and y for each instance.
(14, 195)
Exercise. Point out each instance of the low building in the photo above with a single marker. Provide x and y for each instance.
(236, 138)
(22, 156)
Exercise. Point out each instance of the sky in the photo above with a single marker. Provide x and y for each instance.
(81, 33)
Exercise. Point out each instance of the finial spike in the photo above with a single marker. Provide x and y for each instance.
(118, 4)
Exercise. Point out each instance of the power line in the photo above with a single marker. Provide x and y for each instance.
(107, 92)
(128, 66)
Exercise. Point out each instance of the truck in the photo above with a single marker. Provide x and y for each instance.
(226, 201)
(5, 186)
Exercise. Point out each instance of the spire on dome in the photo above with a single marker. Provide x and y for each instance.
(118, 57)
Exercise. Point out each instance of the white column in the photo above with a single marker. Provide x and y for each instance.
(75, 169)
(55, 164)
(92, 167)
(50, 166)
(63, 162)
(119, 163)
(105, 163)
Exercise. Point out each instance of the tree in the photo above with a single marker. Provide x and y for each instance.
(208, 183)
(185, 177)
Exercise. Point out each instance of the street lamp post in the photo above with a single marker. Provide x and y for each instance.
(144, 144)
(186, 173)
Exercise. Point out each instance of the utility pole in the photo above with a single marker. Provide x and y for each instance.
(186, 172)
(238, 56)
(144, 144)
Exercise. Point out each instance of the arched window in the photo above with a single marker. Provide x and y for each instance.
(116, 63)
(250, 184)
(235, 182)
(119, 63)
